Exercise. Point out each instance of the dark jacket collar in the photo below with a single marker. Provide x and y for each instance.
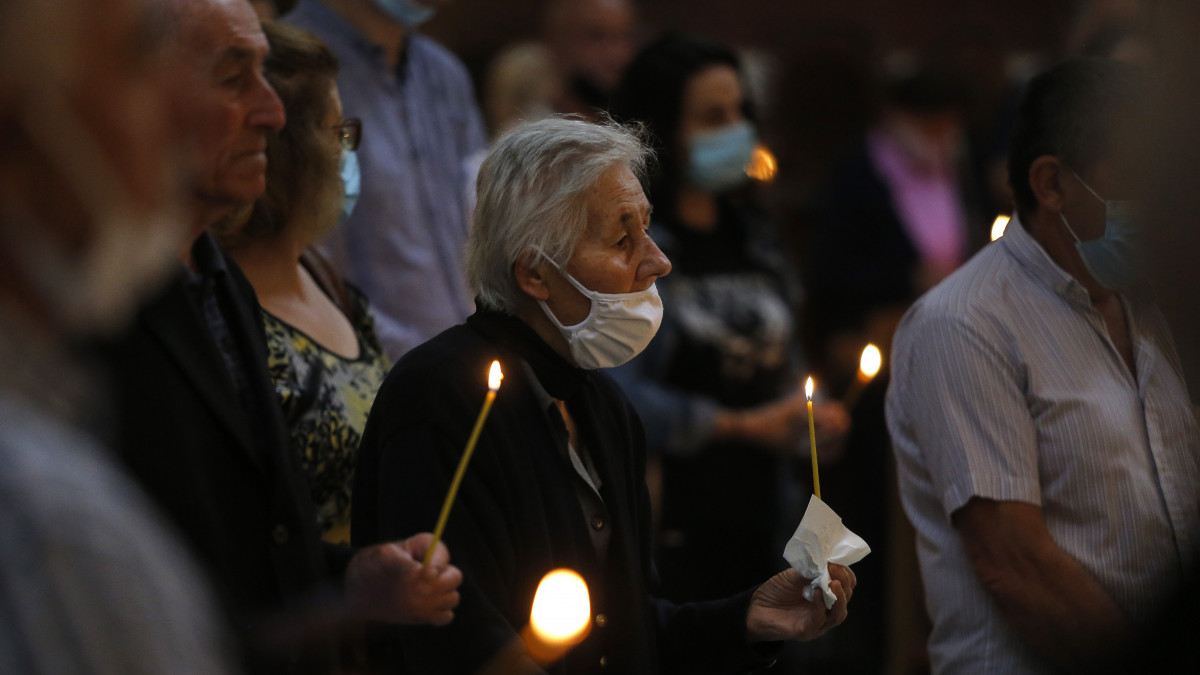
(561, 379)
(208, 257)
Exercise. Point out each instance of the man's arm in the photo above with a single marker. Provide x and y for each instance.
(1049, 599)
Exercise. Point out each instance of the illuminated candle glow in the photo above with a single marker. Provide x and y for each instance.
(560, 618)
(762, 165)
(998, 226)
(812, 438)
(868, 367)
(494, 377)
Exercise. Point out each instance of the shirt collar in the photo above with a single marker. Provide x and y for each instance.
(1034, 259)
(560, 379)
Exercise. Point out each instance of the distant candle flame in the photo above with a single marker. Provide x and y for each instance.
(561, 608)
(870, 362)
(998, 227)
(494, 376)
(808, 388)
(762, 165)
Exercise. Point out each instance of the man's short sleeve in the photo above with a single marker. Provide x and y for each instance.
(957, 404)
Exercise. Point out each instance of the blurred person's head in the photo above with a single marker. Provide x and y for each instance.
(592, 42)
(1070, 113)
(220, 48)
(976, 61)
(304, 192)
(924, 113)
(90, 163)
(688, 93)
(1065, 169)
(533, 194)
(522, 86)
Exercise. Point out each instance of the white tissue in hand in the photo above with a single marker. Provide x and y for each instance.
(822, 539)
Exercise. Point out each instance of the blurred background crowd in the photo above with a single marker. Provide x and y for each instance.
(857, 157)
(886, 126)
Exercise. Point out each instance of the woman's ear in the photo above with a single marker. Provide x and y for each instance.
(1045, 179)
(528, 271)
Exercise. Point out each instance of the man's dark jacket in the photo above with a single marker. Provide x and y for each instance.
(219, 466)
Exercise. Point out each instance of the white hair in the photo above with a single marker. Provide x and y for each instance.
(532, 191)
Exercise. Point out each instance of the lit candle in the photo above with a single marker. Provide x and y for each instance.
(868, 367)
(494, 377)
(812, 438)
(762, 165)
(998, 226)
(560, 618)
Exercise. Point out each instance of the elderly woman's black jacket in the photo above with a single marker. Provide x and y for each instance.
(517, 515)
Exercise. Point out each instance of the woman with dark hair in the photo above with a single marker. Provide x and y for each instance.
(719, 386)
(324, 357)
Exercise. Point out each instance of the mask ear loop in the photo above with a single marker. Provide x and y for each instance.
(1095, 194)
(1062, 216)
(1084, 183)
(578, 286)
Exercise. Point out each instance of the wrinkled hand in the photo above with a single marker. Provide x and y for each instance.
(387, 583)
(831, 422)
(778, 610)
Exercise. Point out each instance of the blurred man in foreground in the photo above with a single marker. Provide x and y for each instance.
(200, 426)
(1046, 445)
(90, 579)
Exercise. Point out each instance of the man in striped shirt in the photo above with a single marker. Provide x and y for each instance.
(1047, 448)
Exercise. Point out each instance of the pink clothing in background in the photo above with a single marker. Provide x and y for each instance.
(926, 198)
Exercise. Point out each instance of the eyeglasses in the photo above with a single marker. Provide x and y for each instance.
(350, 131)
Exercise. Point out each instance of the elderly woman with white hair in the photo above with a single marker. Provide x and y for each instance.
(564, 275)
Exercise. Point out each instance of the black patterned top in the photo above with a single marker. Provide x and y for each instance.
(325, 399)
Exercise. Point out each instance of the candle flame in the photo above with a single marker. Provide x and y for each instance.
(494, 376)
(561, 608)
(762, 165)
(870, 362)
(998, 226)
(808, 388)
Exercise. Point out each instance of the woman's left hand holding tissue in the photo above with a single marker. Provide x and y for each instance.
(779, 610)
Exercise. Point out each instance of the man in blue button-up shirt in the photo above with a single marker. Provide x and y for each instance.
(422, 128)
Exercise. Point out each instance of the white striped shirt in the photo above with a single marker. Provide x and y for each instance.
(1006, 385)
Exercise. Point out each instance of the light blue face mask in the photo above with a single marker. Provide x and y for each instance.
(717, 159)
(1116, 259)
(351, 183)
(409, 13)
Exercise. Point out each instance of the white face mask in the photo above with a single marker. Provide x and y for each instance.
(617, 329)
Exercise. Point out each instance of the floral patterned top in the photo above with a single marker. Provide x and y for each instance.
(325, 399)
